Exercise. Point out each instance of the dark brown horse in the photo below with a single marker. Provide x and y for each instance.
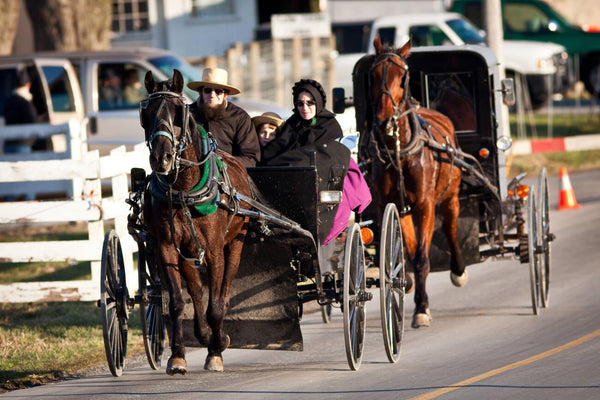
(190, 214)
(412, 168)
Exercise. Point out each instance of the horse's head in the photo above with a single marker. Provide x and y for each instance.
(389, 84)
(165, 118)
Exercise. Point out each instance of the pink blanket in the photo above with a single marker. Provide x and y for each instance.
(356, 196)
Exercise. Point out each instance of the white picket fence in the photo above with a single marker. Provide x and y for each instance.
(85, 203)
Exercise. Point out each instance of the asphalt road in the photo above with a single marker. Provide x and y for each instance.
(484, 342)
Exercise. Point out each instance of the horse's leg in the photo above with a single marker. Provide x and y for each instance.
(424, 217)
(195, 289)
(410, 240)
(219, 304)
(176, 363)
(450, 210)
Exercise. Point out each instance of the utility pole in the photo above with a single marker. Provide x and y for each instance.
(495, 33)
(495, 38)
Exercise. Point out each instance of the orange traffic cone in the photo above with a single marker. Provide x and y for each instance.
(566, 196)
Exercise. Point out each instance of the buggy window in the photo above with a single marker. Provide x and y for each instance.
(61, 93)
(453, 94)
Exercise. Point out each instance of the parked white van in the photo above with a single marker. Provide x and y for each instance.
(82, 85)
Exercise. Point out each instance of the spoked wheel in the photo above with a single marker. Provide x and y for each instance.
(326, 313)
(114, 300)
(532, 234)
(151, 315)
(355, 296)
(391, 282)
(545, 237)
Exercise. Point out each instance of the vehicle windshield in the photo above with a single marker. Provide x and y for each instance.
(166, 64)
(466, 31)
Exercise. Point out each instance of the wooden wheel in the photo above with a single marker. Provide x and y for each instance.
(354, 297)
(151, 312)
(391, 282)
(114, 303)
(534, 264)
(545, 237)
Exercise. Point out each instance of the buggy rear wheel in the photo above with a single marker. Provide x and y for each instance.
(545, 237)
(354, 297)
(151, 315)
(391, 282)
(114, 303)
(534, 259)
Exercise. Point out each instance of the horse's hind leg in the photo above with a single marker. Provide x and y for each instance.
(450, 209)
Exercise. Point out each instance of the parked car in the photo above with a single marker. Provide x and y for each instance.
(541, 64)
(535, 20)
(92, 85)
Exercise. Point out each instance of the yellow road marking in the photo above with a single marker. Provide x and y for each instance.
(451, 388)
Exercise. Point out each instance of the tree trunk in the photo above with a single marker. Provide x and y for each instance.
(67, 25)
(9, 18)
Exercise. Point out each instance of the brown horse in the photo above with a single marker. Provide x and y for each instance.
(191, 238)
(411, 168)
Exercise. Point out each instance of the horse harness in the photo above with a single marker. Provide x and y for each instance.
(417, 125)
(204, 196)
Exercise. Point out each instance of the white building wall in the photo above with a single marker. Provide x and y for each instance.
(174, 28)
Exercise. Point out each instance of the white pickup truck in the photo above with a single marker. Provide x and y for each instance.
(544, 65)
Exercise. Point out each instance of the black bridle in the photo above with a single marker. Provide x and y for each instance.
(400, 109)
(168, 125)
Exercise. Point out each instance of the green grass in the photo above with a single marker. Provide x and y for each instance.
(45, 342)
(563, 125)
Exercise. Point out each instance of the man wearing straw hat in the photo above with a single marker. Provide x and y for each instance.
(230, 125)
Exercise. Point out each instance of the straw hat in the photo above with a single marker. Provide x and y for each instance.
(267, 118)
(215, 78)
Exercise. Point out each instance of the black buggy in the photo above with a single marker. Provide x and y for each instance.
(284, 266)
(498, 219)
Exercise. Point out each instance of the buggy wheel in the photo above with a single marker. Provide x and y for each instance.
(355, 296)
(534, 270)
(544, 235)
(151, 315)
(391, 282)
(114, 300)
(326, 313)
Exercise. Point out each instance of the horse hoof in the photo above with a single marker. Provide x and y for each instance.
(421, 319)
(410, 283)
(214, 363)
(176, 365)
(459, 281)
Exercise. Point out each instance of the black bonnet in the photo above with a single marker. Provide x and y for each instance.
(314, 88)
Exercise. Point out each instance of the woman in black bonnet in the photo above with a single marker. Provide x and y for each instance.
(313, 131)
(311, 128)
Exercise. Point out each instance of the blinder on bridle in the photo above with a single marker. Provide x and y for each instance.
(167, 122)
(385, 89)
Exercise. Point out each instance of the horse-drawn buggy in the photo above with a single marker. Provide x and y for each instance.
(432, 142)
(190, 218)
